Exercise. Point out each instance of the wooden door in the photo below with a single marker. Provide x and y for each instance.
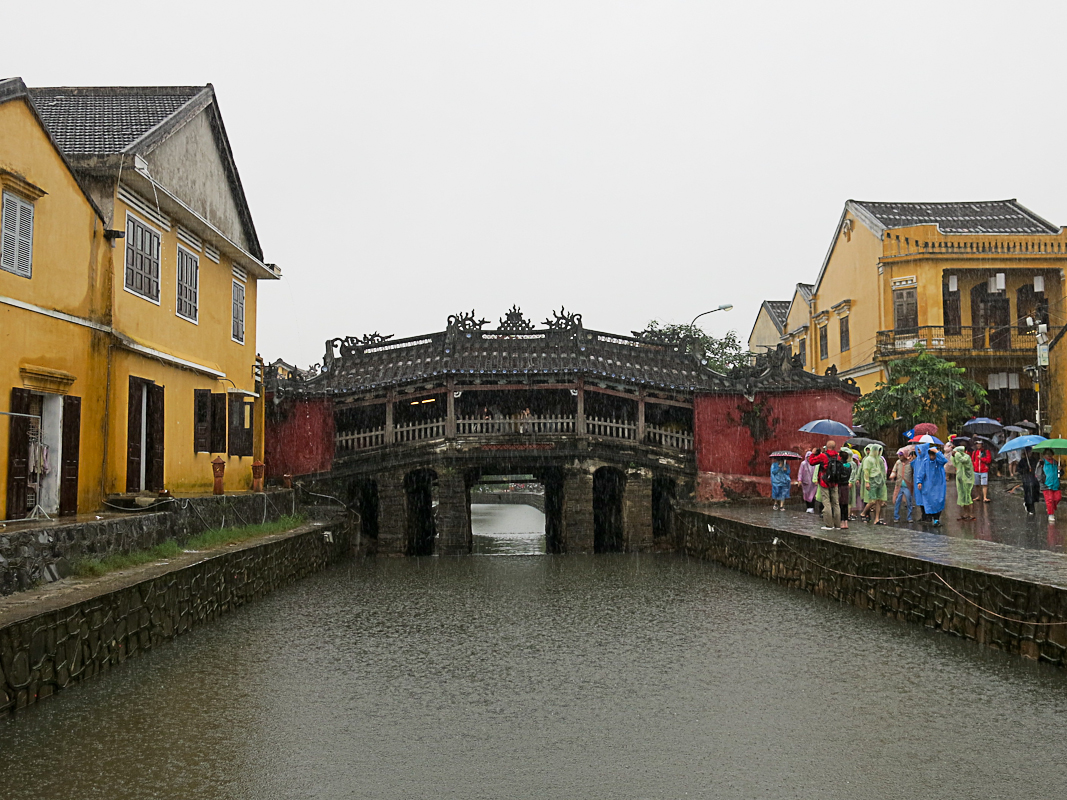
(134, 429)
(979, 307)
(18, 454)
(999, 311)
(905, 311)
(154, 438)
(68, 469)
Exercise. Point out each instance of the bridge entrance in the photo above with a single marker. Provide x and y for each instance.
(508, 516)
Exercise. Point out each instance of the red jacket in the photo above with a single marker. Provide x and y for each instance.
(981, 460)
(821, 461)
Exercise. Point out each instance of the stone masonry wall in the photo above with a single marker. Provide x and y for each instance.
(33, 553)
(56, 649)
(923, 600)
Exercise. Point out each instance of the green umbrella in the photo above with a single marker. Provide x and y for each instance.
(1057, 446)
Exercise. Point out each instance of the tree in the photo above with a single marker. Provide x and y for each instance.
(919, 388)
(721, 354)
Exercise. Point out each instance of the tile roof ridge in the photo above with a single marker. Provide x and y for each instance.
(120, 90)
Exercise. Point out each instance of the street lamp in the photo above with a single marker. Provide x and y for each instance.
(723, 307)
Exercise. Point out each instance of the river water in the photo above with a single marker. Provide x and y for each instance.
(608, 676)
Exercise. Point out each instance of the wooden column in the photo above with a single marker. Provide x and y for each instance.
(641, 416)
(390, 399)
(579, 423)
(450, 404)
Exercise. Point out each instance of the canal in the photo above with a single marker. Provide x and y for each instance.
(609, 676)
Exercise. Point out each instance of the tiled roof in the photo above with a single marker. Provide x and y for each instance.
(106, 120)
(778, 311)
(805, 290)
(997, 216)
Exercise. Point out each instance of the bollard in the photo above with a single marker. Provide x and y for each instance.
(287, 481)
(258, 468)
(218, 470)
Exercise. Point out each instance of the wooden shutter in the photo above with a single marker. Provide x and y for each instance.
(240, 433)
(18, 454)
(16, 238)
(133, 437)
(68, 471)
(218, 422)
(201, 420)
(154, 439)
(239, 312)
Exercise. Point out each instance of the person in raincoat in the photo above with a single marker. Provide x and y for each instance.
(930, 482)
(1051, 474)
(964, 481)
(903, 475)
(872, 481)
(780, 480)
(808, 486)
(855, 496)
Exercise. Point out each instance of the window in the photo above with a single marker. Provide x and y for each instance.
(824, 343)
(209, 421)
(905, 311)
(142, 259)
(16, 252)
(845, 343)
(240, 425)
(238, 312)
(950, 301)
(188, 281)
(802, 351)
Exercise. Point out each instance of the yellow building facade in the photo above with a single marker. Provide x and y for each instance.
(970, 282)
(140, 303)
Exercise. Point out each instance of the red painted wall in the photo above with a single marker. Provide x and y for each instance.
(299, 437)
(723, 427)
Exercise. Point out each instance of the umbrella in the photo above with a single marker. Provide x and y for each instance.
(982, 425)
(955, 440)
(1057, 446)
(926, 439)
(1026, 424)
(859, 430)
(862, 441)
(1015, 429)
(785, 454)
(925, 427)
(1022, 442)
(827, 427)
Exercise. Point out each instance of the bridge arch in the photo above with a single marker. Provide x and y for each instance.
(609, 486)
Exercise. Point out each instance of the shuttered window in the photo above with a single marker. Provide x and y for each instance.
(16, 246)
(824, 343)
(845, 338)
(209, 421)
(142, 259)
(188, 281)
(238, 312)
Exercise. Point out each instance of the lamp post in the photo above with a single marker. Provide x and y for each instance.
(723, 307)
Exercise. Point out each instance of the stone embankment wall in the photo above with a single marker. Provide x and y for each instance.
(510, 499)
(117, 617)
(32, 553)
(801, 562)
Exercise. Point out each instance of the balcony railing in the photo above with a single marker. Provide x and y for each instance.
(960, 339)
(548, 426)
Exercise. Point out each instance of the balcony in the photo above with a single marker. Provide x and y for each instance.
(961, 340)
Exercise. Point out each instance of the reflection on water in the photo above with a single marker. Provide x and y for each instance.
(507, 530)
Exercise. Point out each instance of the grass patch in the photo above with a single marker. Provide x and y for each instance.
(217, 537)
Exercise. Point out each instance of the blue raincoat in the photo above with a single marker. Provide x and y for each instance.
(931, 474)
(779, 480)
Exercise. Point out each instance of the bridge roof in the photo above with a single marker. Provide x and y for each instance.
(517, 352)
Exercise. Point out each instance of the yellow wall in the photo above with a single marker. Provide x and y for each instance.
(798, 316)
(764, 334)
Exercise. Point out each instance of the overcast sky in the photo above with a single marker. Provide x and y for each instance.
(407, 160)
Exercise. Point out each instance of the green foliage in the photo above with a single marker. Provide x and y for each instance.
(919, 388)
(721, 354)
(217, 537)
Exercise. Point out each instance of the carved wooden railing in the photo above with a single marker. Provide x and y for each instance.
(360, 440)
(418, 431)
(611, 429)
(547, 426)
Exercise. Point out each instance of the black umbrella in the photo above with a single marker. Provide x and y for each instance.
(862, 441)
(1026, 424)
(982, 425)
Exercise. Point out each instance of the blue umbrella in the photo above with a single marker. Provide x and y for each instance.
(827, 427)
(1020, 442)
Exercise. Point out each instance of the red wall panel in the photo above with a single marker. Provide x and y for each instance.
(299, 437)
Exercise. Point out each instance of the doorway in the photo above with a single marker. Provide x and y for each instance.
(43, 452)
(144, 437)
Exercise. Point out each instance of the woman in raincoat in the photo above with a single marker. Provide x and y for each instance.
(855, 496)
(930, 481)
(964, 481)
(780, 480)
(808, 486)
(872, 477)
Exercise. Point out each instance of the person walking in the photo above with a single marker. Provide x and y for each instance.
(1029, 471)
(903, 474)
(981, 458)
(1051, 469)
(930, 481)
(833, 473)
(780, 480)
(872, 477)
(964, 482)
(805, 474)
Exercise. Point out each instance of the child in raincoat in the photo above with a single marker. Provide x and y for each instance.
(780, 480)
(873, 481)
(964, 481)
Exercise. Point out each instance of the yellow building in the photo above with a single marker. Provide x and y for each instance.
(968, 281)
(798, 323)
(140, 299)
(769, 327)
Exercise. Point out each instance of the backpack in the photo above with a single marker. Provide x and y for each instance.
(838, 471)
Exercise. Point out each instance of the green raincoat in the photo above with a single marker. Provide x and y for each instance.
(873, 474)
(964, 476)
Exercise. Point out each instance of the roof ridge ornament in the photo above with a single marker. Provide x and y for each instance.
(563, 321)
(466, 322)
(515, 321)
